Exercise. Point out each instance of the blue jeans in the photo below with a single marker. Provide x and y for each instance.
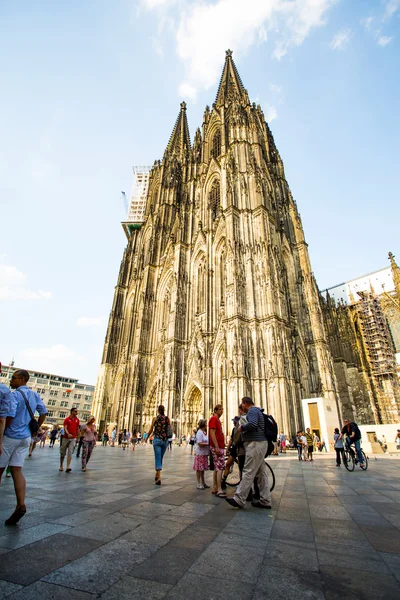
(159, 448)
(357, 446)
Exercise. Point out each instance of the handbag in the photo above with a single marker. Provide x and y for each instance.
(33, 424)
(170, 433)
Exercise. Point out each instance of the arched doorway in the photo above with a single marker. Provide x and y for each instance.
(192, 411)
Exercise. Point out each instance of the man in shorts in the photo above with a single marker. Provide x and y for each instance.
(217, 448)
(71, 429)
(17, 437)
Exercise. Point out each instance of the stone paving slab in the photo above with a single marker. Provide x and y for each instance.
(110, 533)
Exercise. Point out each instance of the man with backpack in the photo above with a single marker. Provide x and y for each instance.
(353, 434)
(255, 441)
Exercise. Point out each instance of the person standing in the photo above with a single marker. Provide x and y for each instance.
(104, 439)
(202, 450)
(17, 436)
(282, 440)
(6, 399)
(299, 445)
(43, 438)
(192, 441)
(310, 444)
(89, 441)
(338, 445)
(397, 440)
(303, 441)
(161, 429)
(217, 448)
(71, 430)
(113, 437)
(256, 446)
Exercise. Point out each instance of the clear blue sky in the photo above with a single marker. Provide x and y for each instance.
(91, 87)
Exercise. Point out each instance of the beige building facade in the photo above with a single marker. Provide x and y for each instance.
(59, 393)
(215, 297)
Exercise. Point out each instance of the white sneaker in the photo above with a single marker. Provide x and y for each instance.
(200, 486)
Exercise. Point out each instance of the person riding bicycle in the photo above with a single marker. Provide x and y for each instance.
(353, 436)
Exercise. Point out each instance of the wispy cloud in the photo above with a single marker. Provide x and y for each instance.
(341, 39)
(57, 359)
(90, 322)
(203, 31)
(375, 24)
(384, 40)
(14, 286)
(270, 112)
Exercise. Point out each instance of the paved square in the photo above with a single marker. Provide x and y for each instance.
(110, 533)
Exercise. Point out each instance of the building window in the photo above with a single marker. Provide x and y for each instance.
(215, 199)
(62, 415)
(63, 403)
(216, 144)
(50, 413)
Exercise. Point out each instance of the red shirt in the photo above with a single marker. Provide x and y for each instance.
(72, 424)
(215, 423)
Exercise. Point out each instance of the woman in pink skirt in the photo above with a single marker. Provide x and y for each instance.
(202, 451)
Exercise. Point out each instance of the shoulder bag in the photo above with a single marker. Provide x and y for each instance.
(33, 424)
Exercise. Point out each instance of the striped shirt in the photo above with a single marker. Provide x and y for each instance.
(253, 430)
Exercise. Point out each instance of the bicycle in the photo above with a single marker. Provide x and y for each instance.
(233, 478)
(350, 459)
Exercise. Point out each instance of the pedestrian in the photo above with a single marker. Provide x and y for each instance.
(80, 441)
(113, 437)
(232, 451)
(34, 440)
(53, 436)
(299, 445)
(217, 448)
(139, 438)
(71, 430)
(338, 445)
(134, 439)
(89, 441)
(256, 446)
(6, 399)
(384, 444)
(120, 436)
(161, 430)
(304, 445)
(17, 435)
(170, 443)
(310, 444)
(124, 439)
(397, 440)
(202, 451)
(192, 441)
(282, 440)
(43, 438)
(316, 442)
(105, 438)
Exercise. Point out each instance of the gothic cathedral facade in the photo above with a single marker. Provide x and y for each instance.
(216, 298)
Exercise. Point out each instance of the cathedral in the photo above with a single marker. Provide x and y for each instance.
(216, 297)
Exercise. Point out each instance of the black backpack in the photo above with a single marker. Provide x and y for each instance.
(270, 428)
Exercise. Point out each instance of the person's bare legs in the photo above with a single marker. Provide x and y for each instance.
(19, 485)
(69, 458)
(218, 481)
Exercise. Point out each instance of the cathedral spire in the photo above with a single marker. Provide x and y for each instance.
(230, 86)
(395, 274)
(179, 141)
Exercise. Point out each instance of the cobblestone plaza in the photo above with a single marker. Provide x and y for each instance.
(110, 533)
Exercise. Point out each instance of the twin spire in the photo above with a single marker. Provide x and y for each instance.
(230, 88)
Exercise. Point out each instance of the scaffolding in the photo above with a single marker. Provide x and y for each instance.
(380, 352)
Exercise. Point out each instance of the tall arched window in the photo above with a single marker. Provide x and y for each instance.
(222, 263)
(216, 144)
(165, 311)
(215, 199)
(201, 288)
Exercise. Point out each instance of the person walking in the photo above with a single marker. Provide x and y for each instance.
(68, 442)
(256, 446)
(113, 437)
(192, 441)
(43, 438)
(80, 441)
(338, 445)
(217, 448)
(104, 438)
(6, 399)
(282, 440)
(89, 441)
(53, 436)
(161, 430)
(17, 435)
(202, 451)
(134, 440)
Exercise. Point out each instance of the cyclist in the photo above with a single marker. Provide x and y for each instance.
(353, 434)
